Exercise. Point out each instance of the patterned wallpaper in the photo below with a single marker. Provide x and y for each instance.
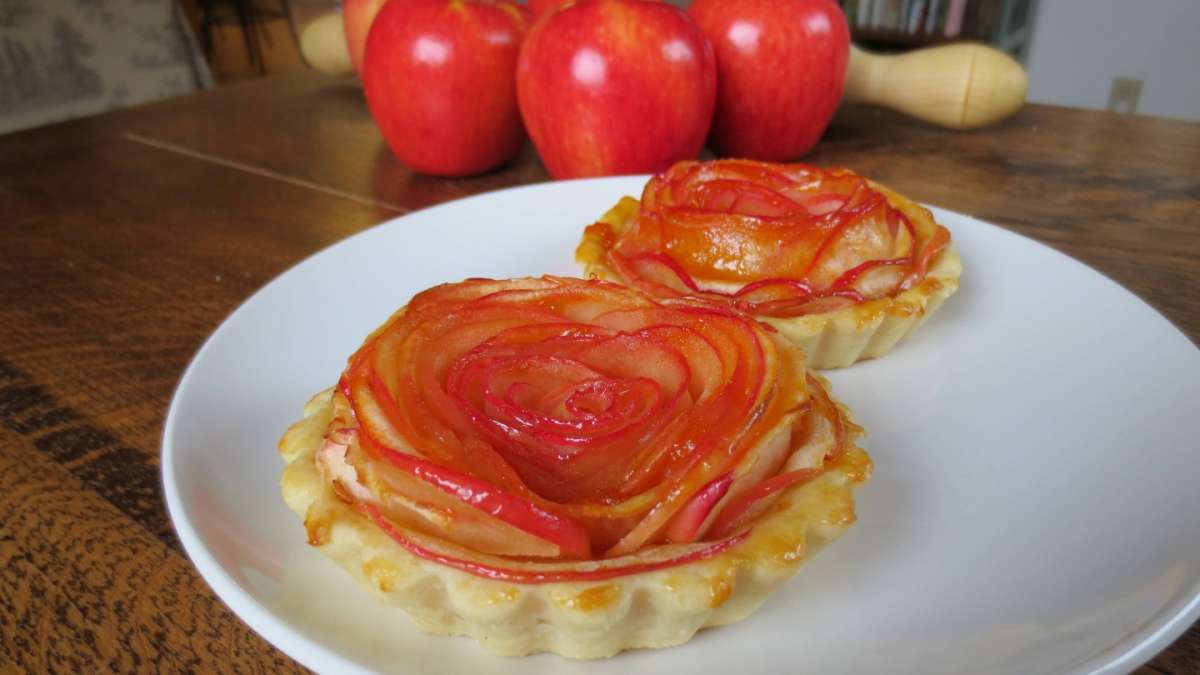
(68, 58)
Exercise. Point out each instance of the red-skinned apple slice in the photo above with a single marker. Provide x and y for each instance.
(719, 445)
(747, 506)
(871, 274)
(828, 301)
(939, 241)
(758, 465)
(507, 570)
(686, 524)
(570, 537)
(419, 505)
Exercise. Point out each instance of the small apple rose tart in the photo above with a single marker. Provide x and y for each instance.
(839, 264)
(570, 466)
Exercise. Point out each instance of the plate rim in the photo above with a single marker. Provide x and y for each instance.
(1128, 652)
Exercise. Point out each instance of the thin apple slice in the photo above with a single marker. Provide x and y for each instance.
(752, 503)
(822, 440)
(874, 278)
(765, 460)
(418, 504)
(827, 301)
(570, 537)
(727, 426)
(357, 479)
(685, 526)
(492, 567)
(661, 275)
(936, 244)
(336, 470)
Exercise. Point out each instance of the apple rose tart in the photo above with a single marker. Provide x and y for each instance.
(571, 466)
(837, 263)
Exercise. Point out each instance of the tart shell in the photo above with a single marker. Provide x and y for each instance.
(870, 330)
(578, 619)
(833, 339)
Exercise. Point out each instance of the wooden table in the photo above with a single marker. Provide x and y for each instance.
(128, 237)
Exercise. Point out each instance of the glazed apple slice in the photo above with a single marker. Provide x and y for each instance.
(569, 537)
(827, 301)
(370, 398)
(939, 241)
(764, 460)
(686, 525)
(659, 557)
(749, 505)
(874, 278)
(420, 505)
(825, 441)
(718, 437)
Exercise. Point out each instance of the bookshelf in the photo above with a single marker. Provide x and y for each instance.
(899, 25)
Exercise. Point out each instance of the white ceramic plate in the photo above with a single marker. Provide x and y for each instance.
(1034, 508)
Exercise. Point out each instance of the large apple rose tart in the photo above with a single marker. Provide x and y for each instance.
(839, 264)
(571, 466)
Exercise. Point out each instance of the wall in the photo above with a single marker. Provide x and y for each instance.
(68, 58)
(1079, 46)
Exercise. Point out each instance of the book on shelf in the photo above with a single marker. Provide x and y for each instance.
(863, 17)
(925, 20)
(850, 9)
(931, 17)
(916, 16)
(892, 9)
(954, 18)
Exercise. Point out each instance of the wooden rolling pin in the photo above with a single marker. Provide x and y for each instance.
(960, 86)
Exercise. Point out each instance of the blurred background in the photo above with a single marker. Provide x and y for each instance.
(1136, 57)
(67, 58)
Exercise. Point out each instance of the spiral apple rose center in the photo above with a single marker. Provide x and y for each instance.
(597, 397)
(549, 409)
(564, 404)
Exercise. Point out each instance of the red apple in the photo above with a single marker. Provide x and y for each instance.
(439, 79)
(357, 16)
(781, 65)
(616, 86)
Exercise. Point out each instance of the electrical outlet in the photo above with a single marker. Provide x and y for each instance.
(1124, 94)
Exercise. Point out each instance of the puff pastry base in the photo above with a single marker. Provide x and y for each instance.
(585, 619)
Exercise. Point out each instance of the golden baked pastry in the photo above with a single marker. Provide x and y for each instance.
(570, 466)
(839, 264)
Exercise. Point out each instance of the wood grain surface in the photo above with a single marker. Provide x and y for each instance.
(128, 237)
